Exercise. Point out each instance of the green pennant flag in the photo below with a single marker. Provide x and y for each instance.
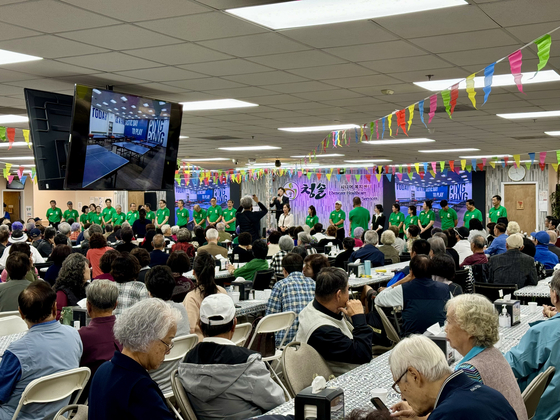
(528, 165)
(32, 172)
(543, 51)
(308, 174)
(446, 96)
(3, 134)
(410, 175)
(358, 176)
(441, 165)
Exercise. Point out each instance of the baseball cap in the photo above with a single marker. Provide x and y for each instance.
(37, 219)
(217, 305)
(463, 232)
(338, 202)
(542, 237)
(34, 233)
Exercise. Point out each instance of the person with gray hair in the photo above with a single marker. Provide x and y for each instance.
(213, 248)
(513, 266)
(437, 246)
(477, 247)
(158, 255)
(537, 350)
(249, 220)
(122, 387)
(222, 234)
(369, 251)
(387, 241)
(182, 244)
(429, 386)
(286, 245)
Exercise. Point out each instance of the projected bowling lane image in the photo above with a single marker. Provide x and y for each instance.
(127, 142)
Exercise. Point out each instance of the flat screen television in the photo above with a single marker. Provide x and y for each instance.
(16, 184)
(122, 142)
(50, 118)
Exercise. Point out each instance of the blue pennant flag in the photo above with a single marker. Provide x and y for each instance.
(421, 111)
(488, 73)
(383, 122)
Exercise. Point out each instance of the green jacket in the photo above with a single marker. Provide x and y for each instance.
(248, 270)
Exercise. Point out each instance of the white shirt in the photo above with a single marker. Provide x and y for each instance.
(320, 236)
(218, 340)
(37, 258)
(390, 297)
(463, 248)
(286, 220)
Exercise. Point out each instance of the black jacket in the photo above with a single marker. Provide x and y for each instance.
(279, 204)
(250, 221)
(379, 223)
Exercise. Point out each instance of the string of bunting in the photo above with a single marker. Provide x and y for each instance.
(9, 134)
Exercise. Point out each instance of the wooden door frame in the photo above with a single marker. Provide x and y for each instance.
(21, 212)
(536, 184)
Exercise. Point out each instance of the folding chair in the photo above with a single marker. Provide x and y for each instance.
(389, 328)
(12, 325)
(9, 313)
(241, 334)
(181, 398)
(533, 392)
(492, 290)
(81, 412)
(262, 279)
(54, 388)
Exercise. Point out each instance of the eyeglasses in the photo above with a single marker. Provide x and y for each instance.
(395, 386)
(169, 346)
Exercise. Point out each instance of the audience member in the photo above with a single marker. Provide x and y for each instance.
(286, 245)
(358, 235)
(552, 244)
(543, 254)
(273, 239)
(143, 258)
(412, 234)
(498, 245)
(4, 236)
(343, 257)
(530, 249)
(443, 270)
(75, 231)
(105, 264)
(300, 250)
(249, 220)
(204, 364)
(126, 236)
(182, 243)
(314, 263)
(318, 232)
(60, 239)
(258, 263)
(243, 249)
(179, 263)
(213, 248)
(513, 267)
(476, 228)
(45, 247)
(463, 246)
(97, 247)
(58, 255)
(70, 286)
(330, 238)
(400, 243)
(369, 251)
(222, 234)
(199, 238)
(387, 241)
(472, 330)
(122, 387)
(125, 272)
(158, 255)
(48, 348)
(437, 246)
(17, 266)
(477, 247)
(139, 226)
(450, 240)
(24, 247)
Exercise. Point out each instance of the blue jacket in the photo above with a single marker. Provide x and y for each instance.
(423, 304)
(498, 245)
(546, 257)
(122, 389)
(538, 349)
(369, 252)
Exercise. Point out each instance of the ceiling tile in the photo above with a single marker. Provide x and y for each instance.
(483, 56)
(266, 78)
(242, 92)
(254, 45)
(333, 71)
(8, 31)
(49, 46)
(12, 76)
(209, 83)
(278, 101)
(51, 16)
(424, 62)
(437, 74)
(380, 51)
(178, 54)
(296, 60)
(328, 95)
(465, 41)
(353, 82)
(521, 12)
(527, 33)
(110, 62)
(48, 68)
(162, 74)
(300, 87)
(50, 85)
(226, 67)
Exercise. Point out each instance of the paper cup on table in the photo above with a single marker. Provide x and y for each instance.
(380, 393)
(267, 293)
(533, 307)
(260, 295)
(235, 296)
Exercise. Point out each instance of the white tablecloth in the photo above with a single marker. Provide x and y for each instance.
(541, 290)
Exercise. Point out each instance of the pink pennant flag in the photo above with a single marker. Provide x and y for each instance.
(299, 174)
(434, 166)
(483, 161)
(10, 178)
(20, 172)
(542, 157)
(399, 175)
(457, 170)
(515, 61)
(348, 176)
(433, 106)
(394, 169)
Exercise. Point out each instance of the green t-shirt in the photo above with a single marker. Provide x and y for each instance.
(359, 217)
(228, 215)
(336, 216)
(70, 214)
(426, 217)
(161, 214)
(395, 219)
(311, 221)
(132, 216)
(214, 213)
(447, 218)
(118, 219)
(108, 214)
(410, 220)
(84, 218)
(96, 218)
(496, 213)
(182, 217)
(54, 215)
(475, 214)
(150, 215)
(199, 216)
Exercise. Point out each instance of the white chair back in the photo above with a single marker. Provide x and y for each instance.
(54, 387)
(12, 325)
(273, 323)
(182, 345)
(181, 397)
(81, 412)
(9, 313)
(241, 334)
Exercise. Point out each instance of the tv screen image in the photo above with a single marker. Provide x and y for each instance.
(122, 142)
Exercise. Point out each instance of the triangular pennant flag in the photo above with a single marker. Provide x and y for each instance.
(358, 176)
(528, 165)
(383, 127)
(488, 74)
(454, 96)
(441, 165)
(425, 164)
(452, 165)
(328, 175)
(9, 166)
(11, 133)
(555, 166)
(319, 175)
(399, 175)
(532, 157)
(421, 175)
(473, 163)
(371, 125)
(480, 166)
(446, 96)
(4, 173)
(401, 120)
(308, 174)
(506, 159)
(26, 137)
(432, 173)
(433, 106)
(389, 120)
(348, 177)
(3, 134)
(471, 92)
(517, 159)
(10, 178)
(338, 176)
(376, 129)
(483, 161)
(493, 163)
(368, 177)
(23, 179)
(434, 166)
(410, 115)
(421, 111)
(299, 174)
(410, 175)
(543, 51)
(457, 170)
(356, 135)
(557, 156)
(378, 176)
(470, 168)
(389, 176)
(20, 172)
(409, 168)
(515, 62)
(417, 166)
(463, 164)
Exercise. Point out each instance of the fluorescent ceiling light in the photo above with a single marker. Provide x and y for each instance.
(539, 114)
(8, 119)
(97, 91)
(295, 14)
(113, 101)
(18, 158)
(215, 104)
(467, 149)
(484, 156)
(10, 57)
(320, 128)
(397, 142)
(14, 144)
(552, 133)
(368, 161)
(248, 148)
(204, 160)
(319, 156)
(497, 80)
(184, 137)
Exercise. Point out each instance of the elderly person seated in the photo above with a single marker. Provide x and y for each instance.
(242, 252)
(65, 229)
(143, 258)
(400, 243)
(126, 236)
(97, 247)
(443, 271)
(313, 264)
(24, 247)
(222, 234)
(48, 347)
(213, 248)
(530, 249)
(552, 244)
(463, 246)
(174, 230)
(286, 245)
(412, 234)
(222, 380)
(17, 266)
(158, 256)
(304, 240)
(179, 263)
(182, 244)
(330, 238)
(472, 330)
(513, 266)
(258, 263)
(476, 228)
(513, 228)
(429, 386)
(348, 249)
(75, 231)
(543, 254)
(437, 246)
(387, 241)
(45, 246)
(477, 247)
(122, 387)
(70, 286)
(369, 251)
(358, 235)
(249, 220)
(273, 239)
(125, 272)
(166, 232)
(105, 264)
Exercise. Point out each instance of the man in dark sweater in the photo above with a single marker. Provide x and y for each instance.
(249, 220)
(369, 251)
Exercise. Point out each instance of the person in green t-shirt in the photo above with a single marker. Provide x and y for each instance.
(71, 213)
(312, 218)
(96, 218)
(108, 212)
(182, 215)
(337, 218)
(199, 217)
(84, 216)
(471, 213)
(150, 215)
(397, 219)
(54, 214)
(132, 215)
(119, 217)
(447, 215)
(426, 220)
(359, 216)
(411, 219)
(213, 213)
(497, 210)
(91, 212)
(162, 214)
(229, 217)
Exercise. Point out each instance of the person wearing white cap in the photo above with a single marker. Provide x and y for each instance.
(337, 218)
(221, 379)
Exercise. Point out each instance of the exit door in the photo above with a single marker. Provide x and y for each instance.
(520, 200)
(12, 200)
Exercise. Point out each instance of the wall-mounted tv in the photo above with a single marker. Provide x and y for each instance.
(122, 142)
(16, 184)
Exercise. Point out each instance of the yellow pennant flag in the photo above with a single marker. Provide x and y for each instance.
(410, 115)
(378, 176)
(417, 166)
(517, 160)
(433, 173)
(493, 164)
(470, 89)
(463, 164)
(555, 166)
(328, 175)
(389, 119)
(26, 137)
(8, 166)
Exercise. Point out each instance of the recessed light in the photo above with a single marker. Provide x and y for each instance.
(215, 104)
(320, 128)
(96, 91)
(468, 149)
(249, 148)
(497, 80)
(368, 160)
(484, 156)
(162, 103)
(538, 114)
(146, 105)
(7, 119)
(133, 106)
(123, 107)
(319, 156)
(295, 14)
(397, 142)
